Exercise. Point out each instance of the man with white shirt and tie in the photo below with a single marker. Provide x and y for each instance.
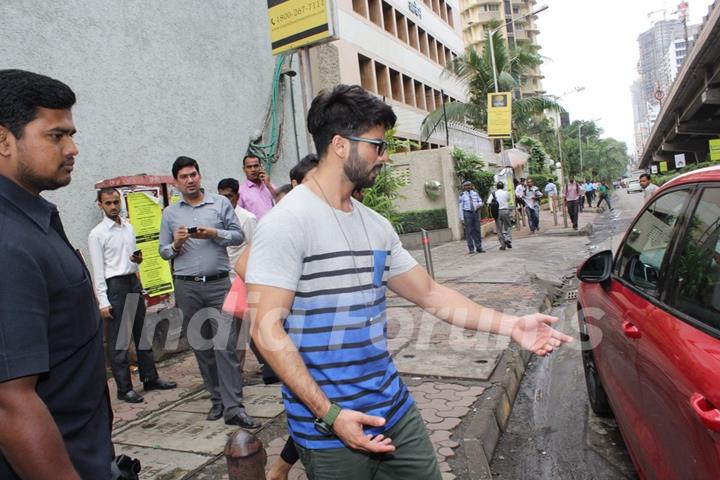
(470, 203)
(114, 260)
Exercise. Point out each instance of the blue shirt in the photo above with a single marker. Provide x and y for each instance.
(589, 187)
(50, 328)
(199, 257)
(470, 201)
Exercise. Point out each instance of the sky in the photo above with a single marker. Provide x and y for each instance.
(593, 44)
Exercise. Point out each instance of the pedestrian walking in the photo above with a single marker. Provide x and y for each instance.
(257, 194)
(531, 196)
(604, 195)
(115, 261)
(194, 233)
(499, 202)
(573, 197)
(589, 188)
(520, 203)
(469, 209)
(551, 191)
(55, 416)
(648, 187)
(320, 264)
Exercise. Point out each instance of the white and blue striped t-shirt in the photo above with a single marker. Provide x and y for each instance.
(338, 320)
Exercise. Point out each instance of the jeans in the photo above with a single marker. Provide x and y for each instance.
(607, 200)
(533, 218)
(572, 206)
(413, 458)
(503, 226)
(472, 231)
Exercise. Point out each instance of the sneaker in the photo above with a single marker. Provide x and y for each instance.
(502, 247)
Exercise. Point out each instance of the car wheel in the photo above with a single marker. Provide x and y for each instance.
(596, 393)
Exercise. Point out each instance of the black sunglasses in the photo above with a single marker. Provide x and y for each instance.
(381, 145)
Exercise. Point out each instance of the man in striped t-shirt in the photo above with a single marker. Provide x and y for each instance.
(317, 276)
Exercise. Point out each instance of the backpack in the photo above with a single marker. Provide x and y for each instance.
(494, 207)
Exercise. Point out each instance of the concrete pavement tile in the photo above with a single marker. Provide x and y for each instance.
(448, 476)
(446, 452)
(445, 424)
(187, 432)
(438, 404)
(449, 444)
(442, 363)
(454, 412)
(439, 436)
(444, 466)
(165, 464)
(263, 401)
(430, 415)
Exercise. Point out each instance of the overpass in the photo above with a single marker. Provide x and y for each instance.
(690, 115)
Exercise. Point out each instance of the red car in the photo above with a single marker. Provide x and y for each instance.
(650, 324)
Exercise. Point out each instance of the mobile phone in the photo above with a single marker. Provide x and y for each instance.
(137, 252)
(192, 230)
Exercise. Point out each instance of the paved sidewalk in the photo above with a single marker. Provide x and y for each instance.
(463, 382)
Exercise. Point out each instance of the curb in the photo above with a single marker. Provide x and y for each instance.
(492, 411)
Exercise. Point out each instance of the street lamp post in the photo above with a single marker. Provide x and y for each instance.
(580, 142)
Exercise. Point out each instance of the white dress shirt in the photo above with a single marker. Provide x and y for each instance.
(502, 197)
(111, 246)
(248, 222)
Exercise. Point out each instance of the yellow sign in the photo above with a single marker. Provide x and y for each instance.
(145, 217)
(663, 167)
(499, 115)
(715, 150)
(299, 23)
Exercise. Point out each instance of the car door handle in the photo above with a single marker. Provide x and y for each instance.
(630, 330)
(709, 415)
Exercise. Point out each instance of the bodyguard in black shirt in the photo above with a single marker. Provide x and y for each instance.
(55, 416)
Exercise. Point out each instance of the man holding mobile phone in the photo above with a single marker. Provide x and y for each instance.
(115, 259)
(257, 194)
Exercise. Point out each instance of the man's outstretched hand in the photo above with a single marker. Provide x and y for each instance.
(534, 333)
(348, 426)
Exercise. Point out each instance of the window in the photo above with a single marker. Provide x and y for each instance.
(367, 73)
(360, 7)
(697, 281)
(641, 258)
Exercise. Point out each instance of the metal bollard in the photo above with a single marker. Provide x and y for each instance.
(428, 254)
(246, 457)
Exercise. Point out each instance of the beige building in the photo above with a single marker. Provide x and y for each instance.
(475, 15)
(396, 49)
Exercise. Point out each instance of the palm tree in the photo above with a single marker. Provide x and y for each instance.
(475, 70)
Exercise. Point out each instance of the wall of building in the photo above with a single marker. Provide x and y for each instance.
(154, 80)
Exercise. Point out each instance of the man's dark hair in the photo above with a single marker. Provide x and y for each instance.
(106, 191)
(307, 163)
(646, 175)
(230, 183)
(499, 185)
(346, 110)
(249, 155)
(21, 93)
(182, 162)
(283, 190)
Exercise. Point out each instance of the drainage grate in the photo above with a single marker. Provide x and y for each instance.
(571, 295)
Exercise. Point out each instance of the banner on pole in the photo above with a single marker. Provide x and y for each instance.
(500, 115)
(299, 23)
(715, 150)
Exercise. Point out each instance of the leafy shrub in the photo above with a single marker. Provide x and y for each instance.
(659, 180)
(414, 221)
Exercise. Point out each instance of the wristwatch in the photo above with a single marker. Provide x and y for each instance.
(324, 425)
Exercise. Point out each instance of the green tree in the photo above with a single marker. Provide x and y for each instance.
(538, 156)
(469, 166)
(475, 70)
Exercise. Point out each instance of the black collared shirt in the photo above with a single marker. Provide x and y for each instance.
(50, 327)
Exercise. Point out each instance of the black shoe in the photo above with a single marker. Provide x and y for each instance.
(471, 252)
(502, 247)
(159, 385)
(131, 396)
(242, 420)
(215, 413)
(481, 251)
(509, 245)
